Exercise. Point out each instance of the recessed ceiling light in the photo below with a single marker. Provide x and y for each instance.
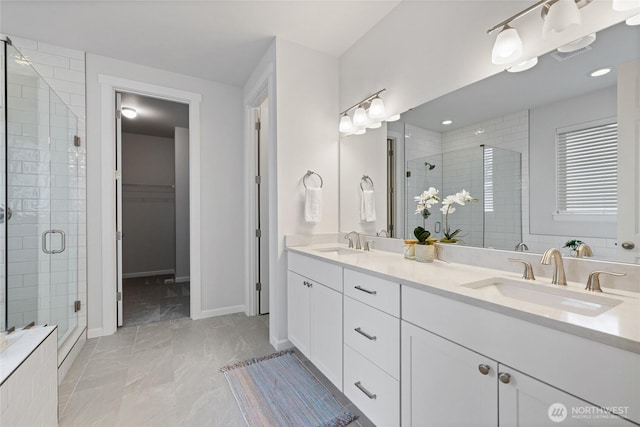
(129, 113)
(447, 122)
(523, 66)
(600, 72)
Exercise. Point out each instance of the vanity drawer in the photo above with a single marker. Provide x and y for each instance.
(377, 394)
(322, 272)
(378, 293)
(374, 334)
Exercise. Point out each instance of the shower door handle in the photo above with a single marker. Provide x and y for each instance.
(63, 241)
(44, 242)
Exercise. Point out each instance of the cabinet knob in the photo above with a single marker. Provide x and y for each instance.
(504, 377)
(484, 369)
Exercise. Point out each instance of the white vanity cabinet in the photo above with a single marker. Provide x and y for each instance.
(372, 346)
(447, 346)
(445, 384)
(314, 301)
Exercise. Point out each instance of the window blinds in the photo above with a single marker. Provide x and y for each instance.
(587, 170)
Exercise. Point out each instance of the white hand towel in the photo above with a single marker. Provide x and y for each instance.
(368, 206)
(313, 204)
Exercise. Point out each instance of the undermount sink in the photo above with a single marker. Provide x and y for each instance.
(338, 250)
(554, 297)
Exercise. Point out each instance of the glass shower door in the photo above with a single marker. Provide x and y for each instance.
(3, 193)
(44, 195)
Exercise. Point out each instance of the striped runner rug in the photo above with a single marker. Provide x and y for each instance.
(278, 391)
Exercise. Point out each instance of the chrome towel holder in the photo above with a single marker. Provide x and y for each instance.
(307, 175)
(365, 179)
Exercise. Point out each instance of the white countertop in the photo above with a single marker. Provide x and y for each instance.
(618, 327)
(21, 344)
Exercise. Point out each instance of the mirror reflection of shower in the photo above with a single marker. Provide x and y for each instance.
(429, 165)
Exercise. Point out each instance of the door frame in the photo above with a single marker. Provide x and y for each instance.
(264, 88)
(109, 85)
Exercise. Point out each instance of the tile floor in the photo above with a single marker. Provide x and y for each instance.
(166, 374)
(149, 299)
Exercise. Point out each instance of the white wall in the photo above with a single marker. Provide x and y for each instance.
(307, 139)
(182, 203)
(221, 192)
(148, 205)
(424, 49)
(363, 155)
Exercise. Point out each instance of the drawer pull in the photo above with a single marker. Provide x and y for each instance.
(364, 334)
(364, 390)
(365, 290)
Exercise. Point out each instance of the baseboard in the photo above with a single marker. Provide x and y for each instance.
(95, 333)
(221, 311)
(147, 274)
(183, 279)
(280, 345)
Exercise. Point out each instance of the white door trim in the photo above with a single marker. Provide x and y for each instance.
(108, 86)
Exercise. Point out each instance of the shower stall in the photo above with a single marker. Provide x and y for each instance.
(42, 205)
(491, 174)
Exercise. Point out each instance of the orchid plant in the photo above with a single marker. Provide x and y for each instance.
(447, 207)
(425, 201)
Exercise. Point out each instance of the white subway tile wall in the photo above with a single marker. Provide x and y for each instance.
(47, 186)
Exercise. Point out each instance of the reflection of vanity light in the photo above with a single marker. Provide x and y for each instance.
(578, 44)
(480, 131)
(360, 131)
(447, 122)
(394, 118)
(375, 125)
(523, 66)
(620, 5)
(634, 20)
(600, 72)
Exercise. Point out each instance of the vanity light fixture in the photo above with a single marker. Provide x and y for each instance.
(129, 113)
(369, 113)
(561, 15)
(600, 72)
(558, 15)
(524, 65)
(508, 46)
(634, 20)
(578, 44)
(447, 122)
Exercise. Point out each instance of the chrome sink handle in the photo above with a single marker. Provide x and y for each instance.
(528, 269)
(357, 239)
(593, 282)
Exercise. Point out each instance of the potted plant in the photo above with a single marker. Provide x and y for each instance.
(425, 249)
(573, 245)
(447, 207)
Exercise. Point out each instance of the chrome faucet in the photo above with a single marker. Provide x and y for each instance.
(357, 239)
(559, 277)
(522, 246)
(583, 250)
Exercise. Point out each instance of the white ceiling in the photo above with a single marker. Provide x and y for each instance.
(214, 40)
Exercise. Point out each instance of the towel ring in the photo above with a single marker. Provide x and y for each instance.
(366, 178)
(307, 175)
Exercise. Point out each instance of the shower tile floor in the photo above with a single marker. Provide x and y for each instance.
(166, 374)
(149, 299)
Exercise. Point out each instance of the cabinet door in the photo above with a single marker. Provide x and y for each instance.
(298, 293)
(444, 384)
(525, 401)
(326, 332)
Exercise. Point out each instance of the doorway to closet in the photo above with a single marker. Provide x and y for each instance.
(152, 209)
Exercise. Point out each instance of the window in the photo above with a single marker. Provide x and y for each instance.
(587, 169)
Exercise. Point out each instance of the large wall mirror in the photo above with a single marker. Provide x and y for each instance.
(537, 148)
